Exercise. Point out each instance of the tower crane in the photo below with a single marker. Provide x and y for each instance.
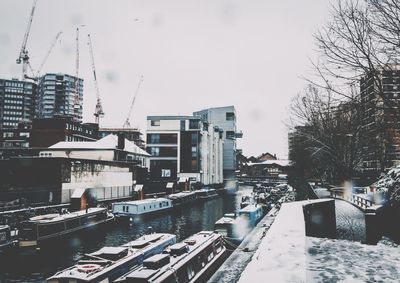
(23, 54)
(48, 53)
(98, 113)
(127, 124)
(77, 104)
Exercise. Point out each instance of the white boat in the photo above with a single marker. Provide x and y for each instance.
(109, 263)
(49, 226)
(141, 207)
(193, 260)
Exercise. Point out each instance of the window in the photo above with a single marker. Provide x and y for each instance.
(154, 151)
(166, 173)
(230, 134)
(194, 138)
(153, 138)
(230, 116)
(155, 122)
(190, 272)
(194, 124)
(194, 151)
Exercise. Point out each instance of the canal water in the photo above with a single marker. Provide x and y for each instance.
(183, 222)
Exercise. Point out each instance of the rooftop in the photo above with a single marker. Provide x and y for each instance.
(108, 142)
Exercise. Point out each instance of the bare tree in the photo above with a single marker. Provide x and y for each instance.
(327, 142)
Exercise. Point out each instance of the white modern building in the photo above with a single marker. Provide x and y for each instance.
(104, 167)
(109, 148)
(184, 149)
(224, 118)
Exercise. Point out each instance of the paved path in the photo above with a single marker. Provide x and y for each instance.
(350, 220)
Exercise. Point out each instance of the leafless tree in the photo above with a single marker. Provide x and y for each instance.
(328, 141)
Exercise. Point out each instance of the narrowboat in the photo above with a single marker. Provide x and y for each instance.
(7, 239)
(235, 227)
(252, 214)
(49, 226)
(205, 194)
(231, 228)
(109, 263)
(193, 260)
(141, 207)
(182, 198)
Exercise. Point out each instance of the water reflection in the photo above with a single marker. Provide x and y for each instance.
(182, 222)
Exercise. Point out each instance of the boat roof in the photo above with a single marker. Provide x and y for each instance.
(225, 220)
(46, 218)
(181, 194)
(205, 190)
(104, 264)
(195, 243)
(143, 201)
(250, 207)
(110, 250)
(144, 240)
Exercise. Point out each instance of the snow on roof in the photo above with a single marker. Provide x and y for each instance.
(280, 162)
(108, 142)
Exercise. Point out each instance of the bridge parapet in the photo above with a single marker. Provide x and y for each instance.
(360, 200)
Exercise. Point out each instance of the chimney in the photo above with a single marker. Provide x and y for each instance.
(121, 141)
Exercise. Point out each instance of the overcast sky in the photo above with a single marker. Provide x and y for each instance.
(192, 54)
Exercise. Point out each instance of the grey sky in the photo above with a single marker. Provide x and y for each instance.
(193, 55)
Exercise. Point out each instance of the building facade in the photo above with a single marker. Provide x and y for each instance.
(17, 102)
(48, 131)
(58, 96)
(225, 119)
(18, 137)
(184, 149)
(54, 180)
(380, 122)
(109, 148)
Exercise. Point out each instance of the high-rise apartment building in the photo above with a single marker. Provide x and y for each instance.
(225, 119)
(380, 123)
(58, 96)
(17, 102)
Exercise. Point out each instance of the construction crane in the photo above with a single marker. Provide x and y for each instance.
(77, 104)
(23, 54)
(127, 124)
(48, 53)
(98, 112)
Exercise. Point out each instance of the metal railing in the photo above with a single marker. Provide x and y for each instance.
(355, 199)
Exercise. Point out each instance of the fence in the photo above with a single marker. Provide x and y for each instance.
(356, 199)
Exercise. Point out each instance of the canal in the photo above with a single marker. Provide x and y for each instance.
(182, 222)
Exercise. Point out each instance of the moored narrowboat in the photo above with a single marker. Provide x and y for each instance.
(49, 226)
(7, 239)
(205, 194)
(109, 263)
(141, 207)
(182, 198)
(193, 260)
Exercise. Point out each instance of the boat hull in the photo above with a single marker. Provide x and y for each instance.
(29, 244)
